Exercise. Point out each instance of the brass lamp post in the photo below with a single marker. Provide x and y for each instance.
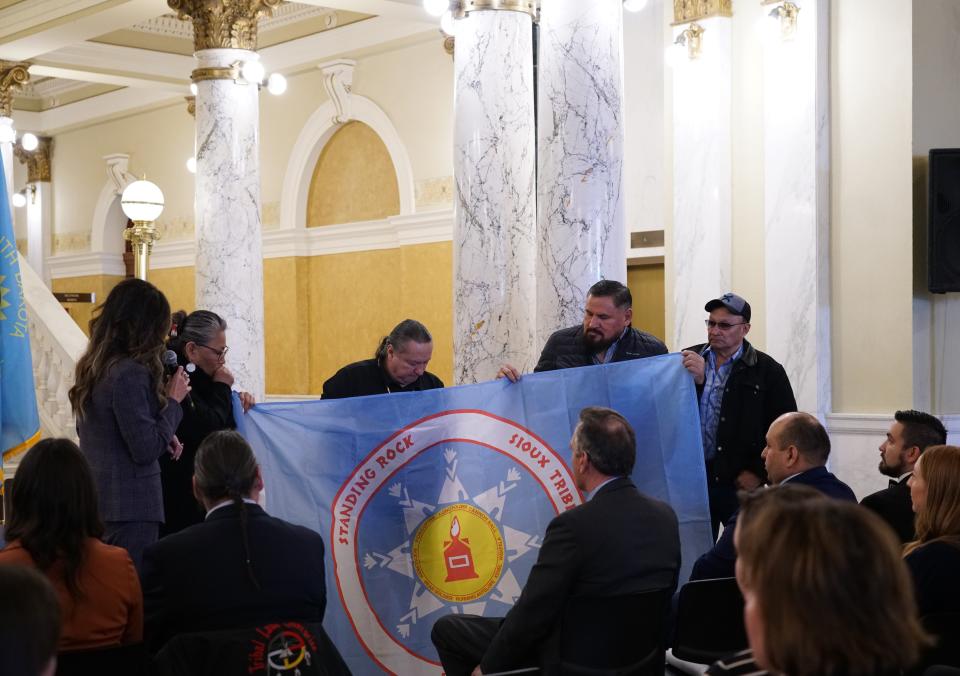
(142, 202)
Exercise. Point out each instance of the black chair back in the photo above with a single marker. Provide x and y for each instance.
(709, 621)
(121, 659)
(941, 670)
(946, 629)
(279, 648)
(616, 635)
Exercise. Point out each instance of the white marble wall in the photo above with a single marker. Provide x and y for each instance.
(701, 179)
(494, 170)
(796, 141)
(39, 229)
(581, 233)
(229, 267)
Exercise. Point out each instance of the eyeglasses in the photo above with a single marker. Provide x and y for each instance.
(723, 326)
(221, 354)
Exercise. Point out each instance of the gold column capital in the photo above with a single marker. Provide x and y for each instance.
(13, 75)
(38, 160)
(688, 11)
(223, 24)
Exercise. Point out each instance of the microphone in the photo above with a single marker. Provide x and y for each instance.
(170, 366)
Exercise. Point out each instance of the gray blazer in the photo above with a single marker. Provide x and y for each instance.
(122, 433)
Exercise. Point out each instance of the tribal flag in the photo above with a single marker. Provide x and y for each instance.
(437, 502)
(19, 423)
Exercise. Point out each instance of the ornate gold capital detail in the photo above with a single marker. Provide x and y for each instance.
(225, 73)
(687, 11)
(525, 6)
(191, 105)
(38, 160)
(223, 24)
(449, 43)
(13, 75)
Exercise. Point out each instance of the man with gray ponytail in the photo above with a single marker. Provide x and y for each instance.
(399, 365)
(240, 568)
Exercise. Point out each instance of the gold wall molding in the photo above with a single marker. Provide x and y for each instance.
(224, 73)
(191, 105)
(223, 24)
(687, 11)
(71, 242)
(432, 192)
(38, 160)
(13, 76)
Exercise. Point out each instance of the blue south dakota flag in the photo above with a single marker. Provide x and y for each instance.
(19, 424)
(437, 502)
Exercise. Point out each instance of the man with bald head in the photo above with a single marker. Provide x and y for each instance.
(796, 452)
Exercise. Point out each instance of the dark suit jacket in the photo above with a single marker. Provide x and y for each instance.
(894, 506)
(719, 561)
(620, 542)
(196, 580)
(123, 431)
(566, 349)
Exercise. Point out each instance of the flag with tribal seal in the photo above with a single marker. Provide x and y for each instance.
(437, 502)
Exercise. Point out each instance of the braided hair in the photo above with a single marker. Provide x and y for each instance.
(225, 467)
(402, 333)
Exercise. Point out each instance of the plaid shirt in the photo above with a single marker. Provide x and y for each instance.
(714, 382)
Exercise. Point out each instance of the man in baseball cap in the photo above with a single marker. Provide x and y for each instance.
(741, 392)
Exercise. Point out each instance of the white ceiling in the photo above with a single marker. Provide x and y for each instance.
(80, 74)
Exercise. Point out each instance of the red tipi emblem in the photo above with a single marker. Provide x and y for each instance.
(457, 556)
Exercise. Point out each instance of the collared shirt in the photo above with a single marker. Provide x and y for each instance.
(608, 355)
(714, 383)
(226, 502)
(590, 494)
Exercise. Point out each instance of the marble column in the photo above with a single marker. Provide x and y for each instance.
(229, 251)
(495, 173)
(796, 143)
(701, 176)
(581, 235)
(39, 205)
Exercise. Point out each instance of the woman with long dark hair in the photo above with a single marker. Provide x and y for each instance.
(127, 412)
(55, 526)
(200, 342)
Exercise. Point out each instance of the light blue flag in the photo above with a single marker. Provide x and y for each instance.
(19, 423)
(437, 502)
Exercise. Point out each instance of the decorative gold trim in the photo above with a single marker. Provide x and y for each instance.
(191, 105)
(688, 11)
(448, 44)
(142, 236)
(37, 160)
(787, 12)
(225, 73)
(525, 6)
(692, 37)
(223, 24)
(13, 75)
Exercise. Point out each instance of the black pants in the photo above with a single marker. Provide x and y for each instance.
(723, 502)
(462, 640)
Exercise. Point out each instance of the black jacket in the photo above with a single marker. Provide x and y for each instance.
(566, 349)
(196, 580)
(362, 378)
(209, 409)
(894, 506)
(757, 393)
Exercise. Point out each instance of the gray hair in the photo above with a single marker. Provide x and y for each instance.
(403, 333)
(200, 326)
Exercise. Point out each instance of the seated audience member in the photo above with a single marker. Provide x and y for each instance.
(200, 343)
(911, 433)
(797, 450)
(825, 593)
(399, 365)
(240, 568)
(618, 542)
(934, 558)
(55, 527)
(29, 623)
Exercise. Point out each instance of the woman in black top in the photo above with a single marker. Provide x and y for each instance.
(200, 341)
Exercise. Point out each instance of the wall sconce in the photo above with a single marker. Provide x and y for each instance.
(786, 12)
(19, 199)
(692, 38)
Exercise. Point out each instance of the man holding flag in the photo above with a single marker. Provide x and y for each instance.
(19, 422)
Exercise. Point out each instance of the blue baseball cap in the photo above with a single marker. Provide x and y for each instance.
(734, 303)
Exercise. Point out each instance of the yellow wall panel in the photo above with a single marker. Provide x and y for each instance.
(97, 284)
(177, 285)
(428, 297)
(646, 287)
(286, 310)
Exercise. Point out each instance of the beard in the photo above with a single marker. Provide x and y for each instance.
(893, 471)
(596, 341)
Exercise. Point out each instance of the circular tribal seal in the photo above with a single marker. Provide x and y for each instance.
(445, 516)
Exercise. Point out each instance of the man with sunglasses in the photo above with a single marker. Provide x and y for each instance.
(741, 392)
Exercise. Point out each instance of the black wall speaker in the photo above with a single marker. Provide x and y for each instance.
(943, 221)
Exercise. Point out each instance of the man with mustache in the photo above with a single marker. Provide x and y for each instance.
(605, 335)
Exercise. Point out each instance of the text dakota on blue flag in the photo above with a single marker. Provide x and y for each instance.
(437, 502)
(19, 422)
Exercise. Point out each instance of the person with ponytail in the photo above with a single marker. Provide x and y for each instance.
(127, 411)
(240, 568)
(398, 365)
(200, 343)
